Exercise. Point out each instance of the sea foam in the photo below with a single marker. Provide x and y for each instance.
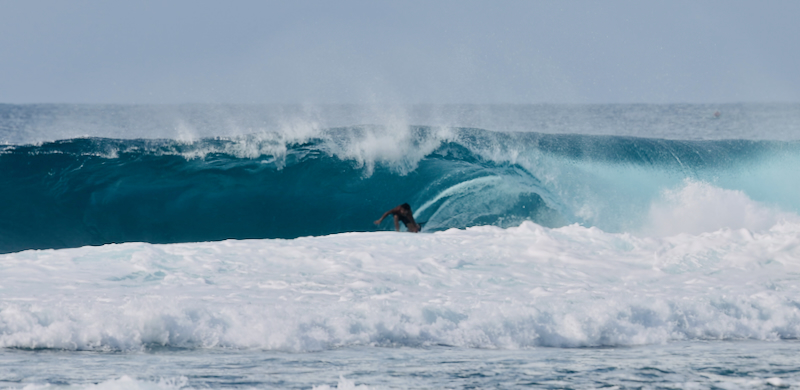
(696, 207)
(481, 287)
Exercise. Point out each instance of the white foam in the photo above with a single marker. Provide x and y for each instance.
(398, 147)
(127, 383)
(482, 287)
(343, 384)
(124, 382)
(698, 207)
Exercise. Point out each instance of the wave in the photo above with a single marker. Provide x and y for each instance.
(482, 287)
(92, 191)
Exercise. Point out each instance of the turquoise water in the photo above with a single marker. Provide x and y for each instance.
(94, 191)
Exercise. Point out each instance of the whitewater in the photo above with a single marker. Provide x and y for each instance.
(612, 246)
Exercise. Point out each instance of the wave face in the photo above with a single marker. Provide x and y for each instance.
(92, 191)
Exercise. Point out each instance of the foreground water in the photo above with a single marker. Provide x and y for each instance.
(592, 260)
(696, 365)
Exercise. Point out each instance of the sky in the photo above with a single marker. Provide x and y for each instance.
(399, 52)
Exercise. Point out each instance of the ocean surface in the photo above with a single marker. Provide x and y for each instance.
(563, 246)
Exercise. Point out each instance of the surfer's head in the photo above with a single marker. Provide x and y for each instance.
(405, 206)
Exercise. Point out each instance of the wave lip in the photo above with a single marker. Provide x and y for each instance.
(482, 287)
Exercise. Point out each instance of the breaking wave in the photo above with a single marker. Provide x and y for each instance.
(91, 191)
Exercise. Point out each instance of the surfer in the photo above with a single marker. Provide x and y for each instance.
(402, 213)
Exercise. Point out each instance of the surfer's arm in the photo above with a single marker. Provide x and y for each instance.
(396, 218)
(378, 222)
(386, 214)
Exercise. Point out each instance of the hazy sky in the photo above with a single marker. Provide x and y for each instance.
(399, 52)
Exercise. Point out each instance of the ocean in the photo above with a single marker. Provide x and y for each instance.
(562, 246)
